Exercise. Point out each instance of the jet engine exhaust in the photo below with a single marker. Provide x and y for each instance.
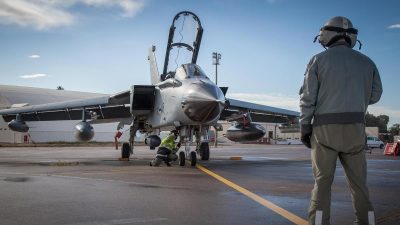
(84, 131)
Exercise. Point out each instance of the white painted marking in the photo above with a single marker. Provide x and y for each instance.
(318, 217)
(371, 218)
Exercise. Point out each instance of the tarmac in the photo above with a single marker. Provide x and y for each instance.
(240, 184)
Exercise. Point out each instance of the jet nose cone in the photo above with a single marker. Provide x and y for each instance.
(204, 102)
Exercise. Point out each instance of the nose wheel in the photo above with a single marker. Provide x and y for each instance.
(191, 154)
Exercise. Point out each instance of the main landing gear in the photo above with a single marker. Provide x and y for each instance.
(125, 151)
(127, 147)
(204, 151)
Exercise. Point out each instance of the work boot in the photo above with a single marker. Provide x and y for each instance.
(168, 164)
(151, 164)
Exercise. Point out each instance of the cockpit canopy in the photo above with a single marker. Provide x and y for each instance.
(189, 71)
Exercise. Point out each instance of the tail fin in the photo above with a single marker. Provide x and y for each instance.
(154, 75)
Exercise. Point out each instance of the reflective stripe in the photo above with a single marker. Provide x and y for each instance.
(168, 142)
(371, 218)
(339, 118)
(318, 217)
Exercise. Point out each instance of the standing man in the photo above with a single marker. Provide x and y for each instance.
(339, 84)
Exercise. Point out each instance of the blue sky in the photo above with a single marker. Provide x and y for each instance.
(102, 45)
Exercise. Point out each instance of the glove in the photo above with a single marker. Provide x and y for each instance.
(178, 145)
(306, 131)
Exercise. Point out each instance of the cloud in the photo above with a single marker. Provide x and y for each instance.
(32, 76)
(275, 100)
(34, 56)
(45, 14)
(394, 26)
(130, 7)
(41, 15)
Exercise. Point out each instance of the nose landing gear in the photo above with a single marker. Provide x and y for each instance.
(187, 153)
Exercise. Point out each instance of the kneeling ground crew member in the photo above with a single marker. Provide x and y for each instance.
(167, 150)
(339, 84)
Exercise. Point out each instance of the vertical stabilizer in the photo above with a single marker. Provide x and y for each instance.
(155, 77)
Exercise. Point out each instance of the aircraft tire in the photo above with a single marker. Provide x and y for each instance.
(182, 159)
(204, 151)
(125, 151)
(193, 158)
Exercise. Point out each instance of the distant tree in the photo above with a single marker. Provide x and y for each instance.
(384, 119)
(60, 88)
(395, 129)
(380, 121)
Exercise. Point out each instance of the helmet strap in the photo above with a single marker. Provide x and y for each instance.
(337, 38)
(359, 42)
(316, 37)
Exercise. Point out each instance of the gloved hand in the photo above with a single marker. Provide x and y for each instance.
(178, 145)
(306, 131)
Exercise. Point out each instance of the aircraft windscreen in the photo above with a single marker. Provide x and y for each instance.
(193, 70)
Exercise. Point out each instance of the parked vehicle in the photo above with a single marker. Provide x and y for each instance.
(374, 142)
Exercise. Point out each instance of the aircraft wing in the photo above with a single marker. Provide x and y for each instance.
(105, 107)
(258, 113)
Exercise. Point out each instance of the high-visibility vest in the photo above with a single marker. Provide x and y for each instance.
(168, 142)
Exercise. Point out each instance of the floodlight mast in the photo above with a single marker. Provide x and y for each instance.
(216, 58)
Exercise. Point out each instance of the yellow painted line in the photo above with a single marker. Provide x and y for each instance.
(286, 214)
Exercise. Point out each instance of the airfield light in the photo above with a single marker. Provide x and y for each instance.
(216, 57)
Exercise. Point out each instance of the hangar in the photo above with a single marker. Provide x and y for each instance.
(45, 131)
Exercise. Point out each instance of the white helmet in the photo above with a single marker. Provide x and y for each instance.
(337, 28)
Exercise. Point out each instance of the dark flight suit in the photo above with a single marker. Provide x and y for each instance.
(339, 84)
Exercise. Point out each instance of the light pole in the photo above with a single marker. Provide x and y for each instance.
(216, 57)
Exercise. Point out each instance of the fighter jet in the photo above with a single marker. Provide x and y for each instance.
(183, 98)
